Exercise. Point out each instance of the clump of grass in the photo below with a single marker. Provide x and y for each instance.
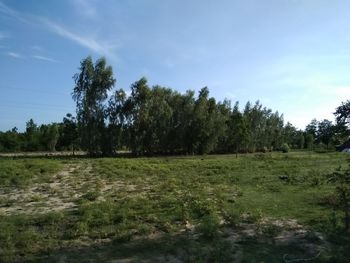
(209, 226)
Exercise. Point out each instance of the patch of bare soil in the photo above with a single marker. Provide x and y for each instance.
(41, 198)
(62, 192)
(280, 233)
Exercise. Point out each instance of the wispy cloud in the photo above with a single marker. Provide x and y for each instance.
(91, 43)
(15, 55)
(12, 13)
(99, 47)
(43, 58)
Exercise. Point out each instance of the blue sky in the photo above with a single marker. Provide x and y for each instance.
(292, 55)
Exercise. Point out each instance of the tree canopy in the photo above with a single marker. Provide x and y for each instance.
(159, 120)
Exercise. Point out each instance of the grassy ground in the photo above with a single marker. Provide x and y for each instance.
(254, 208)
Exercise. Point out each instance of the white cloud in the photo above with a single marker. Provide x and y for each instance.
(14, 55)
(45, 58)
(97, 46)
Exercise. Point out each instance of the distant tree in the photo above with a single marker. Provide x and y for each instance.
(10, 141)
(301, 140)
(291, 136)
(206, 124)
(342, 127)
(69, 135)
(51, 137)
(225, 111)
(181, 136)
(237, 134)
(342, 113)
(309, 141)
(312, 128)
(325, 132)
(32, 136)
(90, 92)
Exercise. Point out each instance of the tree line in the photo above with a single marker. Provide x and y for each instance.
(159, 120)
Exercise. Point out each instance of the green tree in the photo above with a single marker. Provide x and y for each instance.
(113, 139)
(90, 93)
(32, 136)
(48, 136)
(342, 113)
(312, 128)
(237, 133)
(69, 138)
(325, 132)
(207, 123)
(309, 141)
(10, 141)
(136, 109)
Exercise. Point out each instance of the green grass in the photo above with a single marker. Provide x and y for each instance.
(23, 172)
(184, 207)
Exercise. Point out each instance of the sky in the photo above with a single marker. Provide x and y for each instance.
(292, 55)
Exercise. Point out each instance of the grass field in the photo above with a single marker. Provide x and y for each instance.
(268, 207)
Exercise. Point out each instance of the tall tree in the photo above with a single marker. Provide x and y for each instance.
(206, 124)
(113, 138)
(237, 134)
(90, 93)
(136, 109)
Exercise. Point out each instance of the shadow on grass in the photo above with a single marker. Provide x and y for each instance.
(193, 248)
(168, 248)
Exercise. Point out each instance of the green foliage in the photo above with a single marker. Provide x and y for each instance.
(69, 137)
(285, 148)
(341, 179)
(90, 92)
(309, 141)
(342, 113)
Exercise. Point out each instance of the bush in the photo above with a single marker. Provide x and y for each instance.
(285, 148)
(209, 227)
